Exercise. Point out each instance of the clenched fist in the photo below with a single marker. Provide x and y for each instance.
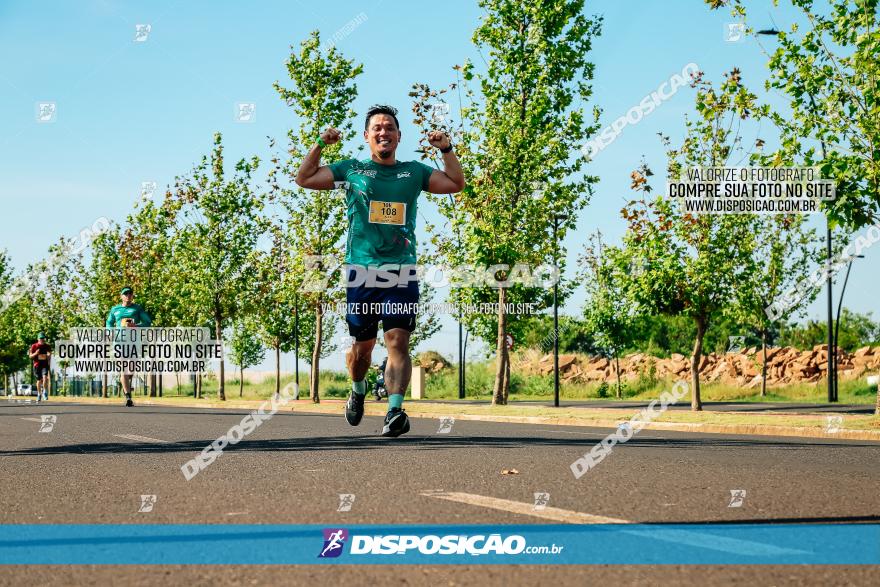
(438, 139)
(331, 136)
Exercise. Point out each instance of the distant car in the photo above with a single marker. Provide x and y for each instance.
(25, 389)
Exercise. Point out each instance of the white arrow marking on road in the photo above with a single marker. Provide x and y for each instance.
(137, 438)
(675, 536)
(526, 509)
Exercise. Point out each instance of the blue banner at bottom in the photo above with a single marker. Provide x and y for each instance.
(246, 544)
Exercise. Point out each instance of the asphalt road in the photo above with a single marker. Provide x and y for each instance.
(98, 460)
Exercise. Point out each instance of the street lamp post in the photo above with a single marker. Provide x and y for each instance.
(832, 366)
(296, 346)
(837, 321)
(556, 219)
(460, 359)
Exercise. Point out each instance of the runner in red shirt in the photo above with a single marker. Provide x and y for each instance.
(41, 353)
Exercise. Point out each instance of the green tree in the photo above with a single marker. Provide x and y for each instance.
(245, 349)
(856, 330)
(830, 72)
(275, 295)
(321, 95)
(608, 314)
(690, 264)
(519, 128)
(217, 239)
(783, 251)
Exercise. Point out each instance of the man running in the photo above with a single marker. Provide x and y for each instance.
(41, 353)
(382, 197)
(127, 315)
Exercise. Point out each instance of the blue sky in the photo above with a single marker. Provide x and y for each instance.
(129, 112)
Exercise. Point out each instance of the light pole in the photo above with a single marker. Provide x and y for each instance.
(837, 321)
(556, 219)
(832, 366)
(296, 346)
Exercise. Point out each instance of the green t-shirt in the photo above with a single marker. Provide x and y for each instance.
(382, 202)
(136, 312)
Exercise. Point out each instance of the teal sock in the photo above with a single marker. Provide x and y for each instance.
(359, 387)
(395, 401)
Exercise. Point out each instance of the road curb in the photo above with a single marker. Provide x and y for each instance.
(702, 428)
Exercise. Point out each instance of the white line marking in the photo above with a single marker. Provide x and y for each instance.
(137, 438)
(525, 509)
(33, 420)
(675, 536)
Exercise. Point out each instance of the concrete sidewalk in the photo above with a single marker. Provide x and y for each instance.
(764, 419)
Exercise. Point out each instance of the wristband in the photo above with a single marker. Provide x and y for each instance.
(321, 142)
(447, 149)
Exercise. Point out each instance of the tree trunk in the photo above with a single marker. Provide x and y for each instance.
(316, 355)
(221, 380)
(764, 365)
(277, 370)
(240, 381)
(696, 404)
(499, 394)
(199, 386)
(617, 372)
(152, 385)
(507, 381)
(160, 385)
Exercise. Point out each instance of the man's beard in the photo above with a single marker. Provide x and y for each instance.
(385, 153)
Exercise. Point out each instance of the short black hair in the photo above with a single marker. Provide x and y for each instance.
(381, 109)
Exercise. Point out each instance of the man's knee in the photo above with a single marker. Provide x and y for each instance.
(361, 349)
(397, 341)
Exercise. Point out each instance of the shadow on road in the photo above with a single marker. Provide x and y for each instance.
(415, 442)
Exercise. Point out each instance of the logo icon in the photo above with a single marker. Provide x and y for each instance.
(141, 32)
(147, 189)
(334, 540)
(446, 423)
(734, 32)
(833, 424)
(403, 174)
(47, 423)
(346, 500)
(737, 497)
(344, 342)
(147, 503)
(541, 500)
(439, 112)
(245, 112)
(46, 112)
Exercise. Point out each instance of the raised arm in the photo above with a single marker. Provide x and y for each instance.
(451, 179)
(312, 175)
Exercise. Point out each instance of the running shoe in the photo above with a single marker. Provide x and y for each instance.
(396, 423)
(129, 403)
(354, 408)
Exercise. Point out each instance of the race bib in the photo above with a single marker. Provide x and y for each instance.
(42, 357)
(387, 212)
